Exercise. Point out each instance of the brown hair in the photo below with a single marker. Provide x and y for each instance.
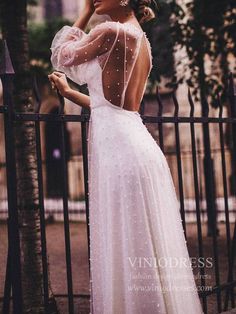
(145, 10)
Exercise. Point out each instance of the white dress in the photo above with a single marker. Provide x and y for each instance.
(139, 258)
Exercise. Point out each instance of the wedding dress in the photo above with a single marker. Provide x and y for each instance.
(137, 245)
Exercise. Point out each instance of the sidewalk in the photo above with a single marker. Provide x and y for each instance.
(57, 265)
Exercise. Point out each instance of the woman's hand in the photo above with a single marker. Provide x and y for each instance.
(86, 14)
(58, 80)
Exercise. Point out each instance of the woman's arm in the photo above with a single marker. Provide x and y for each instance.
(59, 81)
(87, 12)
(77, 97)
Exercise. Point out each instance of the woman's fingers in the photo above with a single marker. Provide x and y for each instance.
(52, 78)
(57, 79)
(59, 74)
(55, 74)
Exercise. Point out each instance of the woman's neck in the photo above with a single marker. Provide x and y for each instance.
(123, 15)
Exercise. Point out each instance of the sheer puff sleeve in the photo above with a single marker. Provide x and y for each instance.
(72, 49)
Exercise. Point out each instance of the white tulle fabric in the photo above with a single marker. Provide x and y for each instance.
(139, 258)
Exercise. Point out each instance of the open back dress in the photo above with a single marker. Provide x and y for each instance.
(139, 258)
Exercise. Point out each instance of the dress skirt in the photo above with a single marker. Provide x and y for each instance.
(138, 254)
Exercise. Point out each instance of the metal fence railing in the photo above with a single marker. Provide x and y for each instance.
(224, 291)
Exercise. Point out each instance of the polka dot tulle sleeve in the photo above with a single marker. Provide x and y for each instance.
(62, 44)
(72, 49)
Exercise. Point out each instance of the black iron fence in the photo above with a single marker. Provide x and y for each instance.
(222, 286)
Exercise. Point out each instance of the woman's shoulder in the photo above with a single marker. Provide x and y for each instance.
(107, 26)
(115, 26)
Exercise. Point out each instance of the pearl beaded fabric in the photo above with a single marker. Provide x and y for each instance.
(136, 234)
(115, 46)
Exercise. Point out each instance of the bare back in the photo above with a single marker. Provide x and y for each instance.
(138, 79)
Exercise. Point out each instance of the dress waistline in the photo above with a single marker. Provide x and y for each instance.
(115, 107)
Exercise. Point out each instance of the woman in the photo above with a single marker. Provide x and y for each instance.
(139, 258)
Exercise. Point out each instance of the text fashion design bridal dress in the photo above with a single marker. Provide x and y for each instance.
(137, 245)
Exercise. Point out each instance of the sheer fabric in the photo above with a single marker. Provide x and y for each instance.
(115, 45)
(136, 235)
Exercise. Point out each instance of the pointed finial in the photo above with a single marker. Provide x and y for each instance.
(159, 102)
(6, 66)
(219, 103)
(176, 103)
(38, 99)
(191, 103)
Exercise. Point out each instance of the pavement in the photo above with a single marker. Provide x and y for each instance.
(78, 236)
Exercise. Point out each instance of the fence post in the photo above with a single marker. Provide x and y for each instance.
(232, 104)
(7, 76)
(84, 134)
(47, 301)
(208, 164)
